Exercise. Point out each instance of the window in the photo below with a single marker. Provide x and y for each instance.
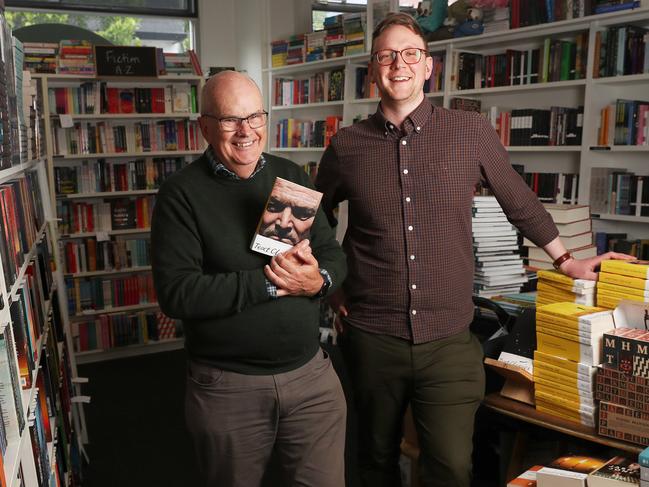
(176, 8)
(171, 34)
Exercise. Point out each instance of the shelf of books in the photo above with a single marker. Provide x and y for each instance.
(42, 427)
(111, 142)
(567, 96)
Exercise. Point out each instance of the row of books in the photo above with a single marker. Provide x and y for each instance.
(104, 216)
(110, 137)
(100, 97)
(619, 192)
(621, 50)
(626, 122)
(91, 255)
(77, 57)
(102, 176)
(343, 35)
(620, 242)
(559, 188)
(96, 294)
(291, 132)
(21, 219)
(318, 88)
(557, 60)
(122, 329)
(533, 127)
(524, 14)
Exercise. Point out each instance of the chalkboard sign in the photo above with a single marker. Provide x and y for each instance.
(126, 61)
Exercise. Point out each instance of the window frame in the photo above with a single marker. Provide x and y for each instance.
(190, 12)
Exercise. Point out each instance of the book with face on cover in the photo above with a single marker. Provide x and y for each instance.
(287, 217)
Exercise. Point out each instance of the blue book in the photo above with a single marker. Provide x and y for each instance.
(602, 9)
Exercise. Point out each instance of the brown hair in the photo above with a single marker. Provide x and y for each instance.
(398, 19)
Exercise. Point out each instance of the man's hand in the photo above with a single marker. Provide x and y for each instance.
(585, 268)
(337, 302)
(295, 272)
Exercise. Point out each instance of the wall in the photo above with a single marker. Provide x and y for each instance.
(237, 32)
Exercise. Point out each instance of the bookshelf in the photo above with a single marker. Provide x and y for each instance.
(104, 192)
(589, 91)
(42, 426)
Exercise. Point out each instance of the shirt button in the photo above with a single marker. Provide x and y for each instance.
(405, 171)
(418, 129)
(414, 311)
(391, 126)
(386, 134)
(407, 199)
(412, 257)
(410, 228)
(414, 286)
(403, 142)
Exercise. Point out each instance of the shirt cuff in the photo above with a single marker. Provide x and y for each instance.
(271, 289)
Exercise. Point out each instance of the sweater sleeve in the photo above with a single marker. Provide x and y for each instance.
(184, 290)
(520, 204)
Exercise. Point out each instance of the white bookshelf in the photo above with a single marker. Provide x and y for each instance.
(591, 93)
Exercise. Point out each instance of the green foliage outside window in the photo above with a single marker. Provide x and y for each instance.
(120, 30)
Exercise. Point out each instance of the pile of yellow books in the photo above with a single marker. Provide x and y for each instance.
(622, 279)
(569, 346)
(555, 287)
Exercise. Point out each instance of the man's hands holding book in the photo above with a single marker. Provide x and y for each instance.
(295, 272)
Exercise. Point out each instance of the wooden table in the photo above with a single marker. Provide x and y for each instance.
(529, 414)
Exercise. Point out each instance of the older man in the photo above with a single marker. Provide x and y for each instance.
(257, 379)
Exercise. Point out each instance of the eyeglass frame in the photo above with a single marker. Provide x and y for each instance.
(239, 119)
(421, 50)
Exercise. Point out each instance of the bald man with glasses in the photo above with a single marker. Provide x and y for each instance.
(257, 380)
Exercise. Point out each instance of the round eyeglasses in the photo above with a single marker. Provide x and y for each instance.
(411, 55)
(232, 124)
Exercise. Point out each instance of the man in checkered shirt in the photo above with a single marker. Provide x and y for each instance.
(409, 173)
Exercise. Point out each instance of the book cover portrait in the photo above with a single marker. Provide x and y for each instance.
(287, 218)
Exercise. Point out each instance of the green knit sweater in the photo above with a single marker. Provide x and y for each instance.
(206, 275)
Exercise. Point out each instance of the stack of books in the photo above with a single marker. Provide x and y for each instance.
(623, 385)
(279, 53)
(574, 225)
(335, 37)
(555, 287)
(40, 57)
(76, 57)
(495, 19)
(354, 30)
(498, 265)
(569, 346)
(296, 49)
(315, 46)
(622, 279)
(178, 63)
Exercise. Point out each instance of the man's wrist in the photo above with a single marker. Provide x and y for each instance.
(561, 260)
(326, 284)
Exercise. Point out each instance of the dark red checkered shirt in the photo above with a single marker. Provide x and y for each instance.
(410, 190)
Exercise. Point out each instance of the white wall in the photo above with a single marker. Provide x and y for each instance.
(237, 32)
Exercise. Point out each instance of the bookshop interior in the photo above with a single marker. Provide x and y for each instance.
(102, 102)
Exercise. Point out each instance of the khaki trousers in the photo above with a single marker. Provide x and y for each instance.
(236, 421)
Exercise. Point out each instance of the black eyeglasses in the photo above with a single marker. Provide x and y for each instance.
(411, 55)
(232, 124)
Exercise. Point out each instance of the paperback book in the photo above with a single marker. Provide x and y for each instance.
(287, 217)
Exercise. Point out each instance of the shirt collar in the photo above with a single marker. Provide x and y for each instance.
(414, 121)
(221, 170)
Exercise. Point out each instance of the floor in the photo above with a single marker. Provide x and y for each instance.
(137, 434)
